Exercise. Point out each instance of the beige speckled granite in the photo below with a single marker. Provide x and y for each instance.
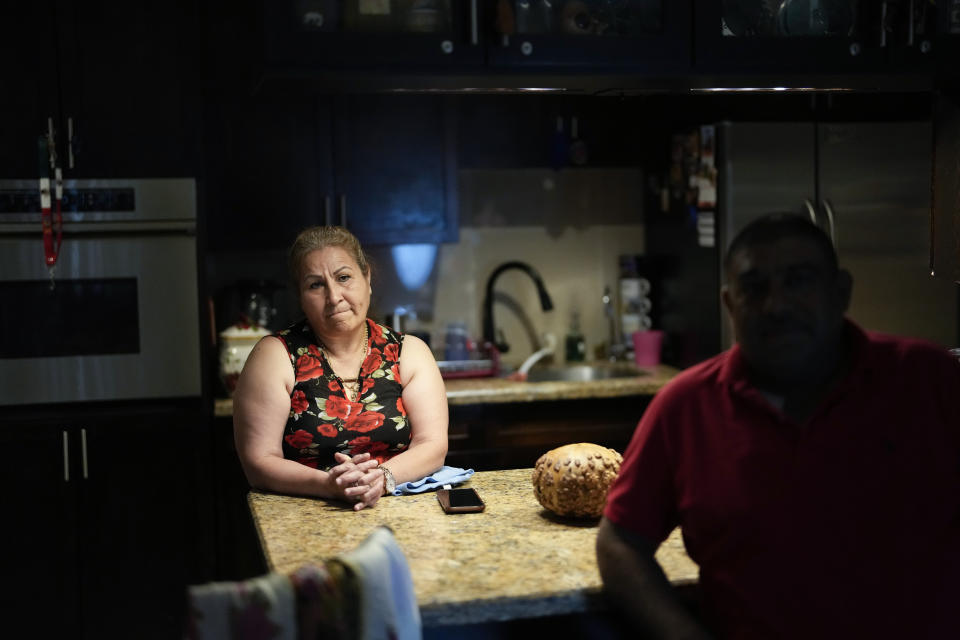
(499, 390)
(514, 560)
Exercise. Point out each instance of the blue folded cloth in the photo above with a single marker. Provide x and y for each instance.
(445, 475)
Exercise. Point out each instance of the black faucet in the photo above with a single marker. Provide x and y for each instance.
(545, 303)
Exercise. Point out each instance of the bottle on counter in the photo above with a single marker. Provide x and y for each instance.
(576, 345)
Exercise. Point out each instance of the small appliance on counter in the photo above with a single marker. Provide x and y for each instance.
(249, 302)
(247, 311)
(236, 343)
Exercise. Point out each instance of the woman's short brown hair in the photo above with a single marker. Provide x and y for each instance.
(314, 238)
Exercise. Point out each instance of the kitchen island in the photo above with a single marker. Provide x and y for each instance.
(515, 560)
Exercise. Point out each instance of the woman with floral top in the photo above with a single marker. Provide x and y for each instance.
(338, 406)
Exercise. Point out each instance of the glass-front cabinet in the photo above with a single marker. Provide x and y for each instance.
(824, 36)
(640, 35)
(665, 38)
(362, 33)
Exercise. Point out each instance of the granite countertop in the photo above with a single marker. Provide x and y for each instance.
(514, 560)
(499, 390)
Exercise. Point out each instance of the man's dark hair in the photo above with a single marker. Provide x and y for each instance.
(773, 227)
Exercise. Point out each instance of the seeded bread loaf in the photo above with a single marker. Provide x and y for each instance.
(573, 480)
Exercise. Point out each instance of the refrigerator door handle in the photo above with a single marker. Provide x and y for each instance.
(811, 211)
(828, 209)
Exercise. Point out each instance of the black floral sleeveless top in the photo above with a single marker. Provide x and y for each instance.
(323, 420)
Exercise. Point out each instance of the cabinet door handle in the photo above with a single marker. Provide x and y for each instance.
(910, 33)
(51, 143)
(83, 451)
(883, 24)
(830, 223)
(70, 142)
(811, 211)
(66, 457)
(343, 210)
(327, 205)
(474, 27)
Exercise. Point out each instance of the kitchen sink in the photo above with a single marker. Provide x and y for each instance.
(584, 372)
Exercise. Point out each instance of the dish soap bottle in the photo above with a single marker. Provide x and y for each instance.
(576, 346)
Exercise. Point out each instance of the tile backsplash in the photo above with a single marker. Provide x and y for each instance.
(570, 226)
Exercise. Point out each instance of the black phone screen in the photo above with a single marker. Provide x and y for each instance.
(465, 498)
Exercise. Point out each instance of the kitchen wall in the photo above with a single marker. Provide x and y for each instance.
(570, 225)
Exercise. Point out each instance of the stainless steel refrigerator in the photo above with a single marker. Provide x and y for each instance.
(868, 183)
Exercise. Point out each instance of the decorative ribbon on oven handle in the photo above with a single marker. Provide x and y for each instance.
(51, 217)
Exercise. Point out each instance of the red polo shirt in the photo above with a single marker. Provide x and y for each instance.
(846, 527)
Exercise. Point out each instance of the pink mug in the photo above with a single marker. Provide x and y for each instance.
(646, 347)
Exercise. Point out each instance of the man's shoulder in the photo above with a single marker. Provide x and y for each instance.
(887, 349)
(702, 377)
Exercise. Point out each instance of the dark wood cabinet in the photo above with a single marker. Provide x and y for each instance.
(39, 526)
(269, 171)
(329, 34)
(468, 35)
(110, 519)
(111, 80)
(383, 166)
(602, 46)
(395, 168)
(745, 37)
(486, 437)
(642, 36)
(237, 550)
(129, 88)
(28, 84)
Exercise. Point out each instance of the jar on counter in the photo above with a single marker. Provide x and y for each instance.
(236, 343)
(457, 344)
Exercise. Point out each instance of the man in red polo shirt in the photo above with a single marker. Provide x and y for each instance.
(814, 468)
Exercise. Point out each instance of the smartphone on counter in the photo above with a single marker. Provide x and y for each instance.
(460, 500)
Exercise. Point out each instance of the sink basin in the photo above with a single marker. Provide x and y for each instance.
(584, 372)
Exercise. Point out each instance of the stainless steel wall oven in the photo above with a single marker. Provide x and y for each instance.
(118, 318)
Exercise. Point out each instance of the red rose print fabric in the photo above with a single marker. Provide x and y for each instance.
(323, 420)
(298, 402)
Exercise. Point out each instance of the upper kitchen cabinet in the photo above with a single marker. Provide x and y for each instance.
(948, 42)
(28, 84)
(395, 168)
(334, 34)
(643, 36)
(825, 37)
(595, 46)
(384, 166)
(269, 170)
(107, 82)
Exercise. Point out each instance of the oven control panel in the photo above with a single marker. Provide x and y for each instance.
(75, 200)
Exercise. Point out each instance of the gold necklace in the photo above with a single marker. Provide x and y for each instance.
(351, 386)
